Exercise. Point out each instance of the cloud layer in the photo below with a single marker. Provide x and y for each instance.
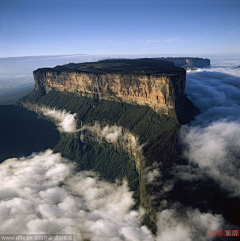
(215, 150)
(189, 224)
(215, 91)
(43, 194)
(212, 141)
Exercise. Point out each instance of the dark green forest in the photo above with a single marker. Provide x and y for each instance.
(156, 132)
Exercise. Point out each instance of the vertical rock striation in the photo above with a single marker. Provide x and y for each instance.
(151, 82)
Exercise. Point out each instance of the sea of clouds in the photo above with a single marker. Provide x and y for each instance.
(43, 193)
(211, 142)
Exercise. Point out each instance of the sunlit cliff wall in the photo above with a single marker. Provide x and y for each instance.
(161, 92)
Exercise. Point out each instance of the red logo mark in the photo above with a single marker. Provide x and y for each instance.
(220, 233)
(213, 232)
(231, 233)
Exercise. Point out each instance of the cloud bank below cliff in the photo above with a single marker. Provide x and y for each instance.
(211, 142)
(186, 224)
(215, 91)
(211, 145)
(43, 194)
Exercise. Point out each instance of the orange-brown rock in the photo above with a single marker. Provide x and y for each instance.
(151, 82)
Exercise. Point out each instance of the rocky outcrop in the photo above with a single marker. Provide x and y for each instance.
(151, 82)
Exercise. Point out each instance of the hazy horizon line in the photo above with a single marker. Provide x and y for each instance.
(162, 55)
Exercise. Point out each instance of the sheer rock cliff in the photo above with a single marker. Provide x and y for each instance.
(130, 87)
(151, 82)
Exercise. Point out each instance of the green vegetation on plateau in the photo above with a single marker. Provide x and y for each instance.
(122, 66)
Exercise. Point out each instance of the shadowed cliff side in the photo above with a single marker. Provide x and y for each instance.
(157, 132)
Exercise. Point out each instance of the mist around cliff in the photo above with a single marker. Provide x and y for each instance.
(186, 223)
(211, 146)
(43, 193)
(211, 142)
(65, 121)
(48, 195)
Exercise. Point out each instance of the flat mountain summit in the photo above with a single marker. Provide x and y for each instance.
(125, 66)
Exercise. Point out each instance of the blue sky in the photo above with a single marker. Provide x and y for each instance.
(56, 27)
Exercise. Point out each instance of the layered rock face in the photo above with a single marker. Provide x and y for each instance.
(151, 82)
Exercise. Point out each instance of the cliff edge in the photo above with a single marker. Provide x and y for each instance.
(151, 82)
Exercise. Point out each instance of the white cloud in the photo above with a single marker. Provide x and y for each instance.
(231, 32)
(186, 225)
(217, 94)
(110, 133)
(211, 142)
(66, 122)
(43, 194)
(172, 40)
(152, 175)
(215, 149)
(154, 41)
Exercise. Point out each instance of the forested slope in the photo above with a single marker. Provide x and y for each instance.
(157, 134)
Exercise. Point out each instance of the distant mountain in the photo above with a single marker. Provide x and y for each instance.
(189, 62)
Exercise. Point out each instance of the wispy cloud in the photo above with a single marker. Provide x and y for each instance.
(154, 41)
(111, 41)
(231, 32)
(172, 40)
(65, 121)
